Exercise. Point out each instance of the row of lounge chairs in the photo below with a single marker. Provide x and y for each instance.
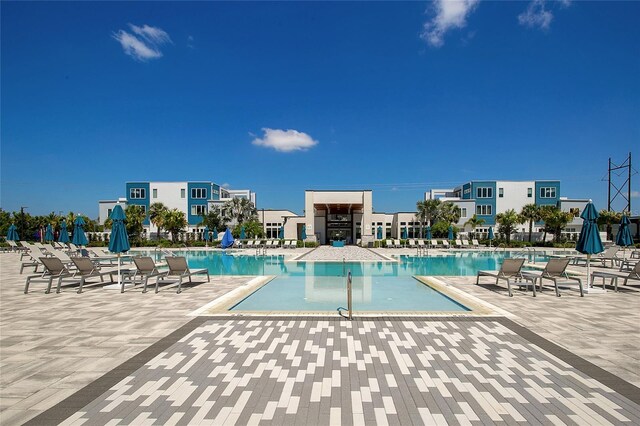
(555, 271)
(268, 244)
(411, 243)
(80, 269)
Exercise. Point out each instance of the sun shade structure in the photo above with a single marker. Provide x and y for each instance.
(589, 241)
(450, 233)
(79, 238)
(119, 240)
(64, 234)
(379, 236)
(624, 238)
(48, 235)
(428, 233)
(243, 235)
(12, 233)
(215, 234)
(205, 234)
(490, 236)
(227, 239)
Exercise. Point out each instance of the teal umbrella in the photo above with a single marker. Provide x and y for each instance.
(281, 233)
(403, 234)
(624, 238)
(428, 233)
(242, 234)
(215, 234)
(490, 235)
(379, 232)
(303, 234)
(64, 234)
(48, 235)
(12, 233)
(589, 241)
(450, 233)
(119, 240)
(79, 238)
(205, 234)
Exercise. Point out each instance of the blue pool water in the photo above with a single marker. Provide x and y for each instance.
(457, 264)
(326, 293)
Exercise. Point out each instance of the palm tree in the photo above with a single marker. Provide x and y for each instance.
(157, 212)
(428, 211)
(555, 220)
(239, 210)
(135, 216)
(608, 218)
(449, 212)
(508, 221)
(474, 222)
(175, 221)
(212, 220)
(530, 213)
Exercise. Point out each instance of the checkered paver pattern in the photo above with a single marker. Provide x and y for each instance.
(383, 371)
(347, 253)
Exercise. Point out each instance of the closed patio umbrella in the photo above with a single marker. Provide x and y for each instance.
(379, 236)
(281, 233)
(623, 238)
(243, 235)
(64, 233)
(403, 235)
(206, 236)
(12, 233)
(589, 241)
(79, 238)
(119, 241)
(303, 235)
(227, 239)
(450, 233)
(48, 235)
(215, 234)
(490, 236)
(428, 233)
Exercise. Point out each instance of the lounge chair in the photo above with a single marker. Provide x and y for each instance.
(613, 276)
(276, 244)
(86, 269)
(249, 244)
(433, 243)
(36, 254)
(15, 247)
(396, 244)
(445, 244)
(421, 244)
(268, 244)
(458, 244)
(146, 268)
(510, 269)
(178, 267)
(411, 243)
(465, 244)
(389, 244)
(608, 255)
(257, 244)
(475, 243)
(54, 269)
(555, 270)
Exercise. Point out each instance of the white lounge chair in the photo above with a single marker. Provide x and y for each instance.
(411, 243)
(396, 244)
(458, 244)
(86, 269)
(475, 243)
(465, 244)
(389, 244)
(445, 244)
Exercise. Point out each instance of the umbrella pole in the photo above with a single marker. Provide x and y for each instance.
(588, 272)
(119, 279)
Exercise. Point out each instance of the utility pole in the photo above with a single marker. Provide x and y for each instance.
(22, 220)
(620, 182)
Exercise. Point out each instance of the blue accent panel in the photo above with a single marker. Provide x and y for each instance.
(215, 192)
(196, 219)
(466, 195)
(489, 219)
(139, 201)
(547, 184)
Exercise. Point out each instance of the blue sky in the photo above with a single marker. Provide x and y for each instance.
(393, 97)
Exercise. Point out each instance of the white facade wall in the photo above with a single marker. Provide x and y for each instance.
(515, 197)
(467, 210)
(169, 194)
(103, 209)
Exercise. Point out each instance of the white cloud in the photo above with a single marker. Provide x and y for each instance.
(285, 140)
(635, 194)
(537, 15)
(449, 14)
(143, 43)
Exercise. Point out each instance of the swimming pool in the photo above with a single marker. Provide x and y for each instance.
(327, 293)
(455, 264)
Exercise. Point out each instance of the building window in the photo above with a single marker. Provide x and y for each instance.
(484, 192)
(484, 209)
(529, 192)
(155, 193)
(198, 210)
(547, 192)
(109, 212)
(575, 211)
(198, 193)
(182, 193)
(272, 229)
(500, 192)
(463, 212)
(137, 193)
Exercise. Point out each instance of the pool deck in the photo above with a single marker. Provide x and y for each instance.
(143, 359)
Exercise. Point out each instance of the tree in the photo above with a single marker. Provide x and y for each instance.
(175, 221)
(555, 220)
(441, 229)
(530, 213)
(427, 211)
(239, 210)
(507, 222)
(157, 213)
(608, 218)
(449, 212)
(252, 228)
(212, 220)
(474, 222)
(134, 221)
(5, 222)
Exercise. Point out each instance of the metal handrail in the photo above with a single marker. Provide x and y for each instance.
(528, 253)
(349, 299)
